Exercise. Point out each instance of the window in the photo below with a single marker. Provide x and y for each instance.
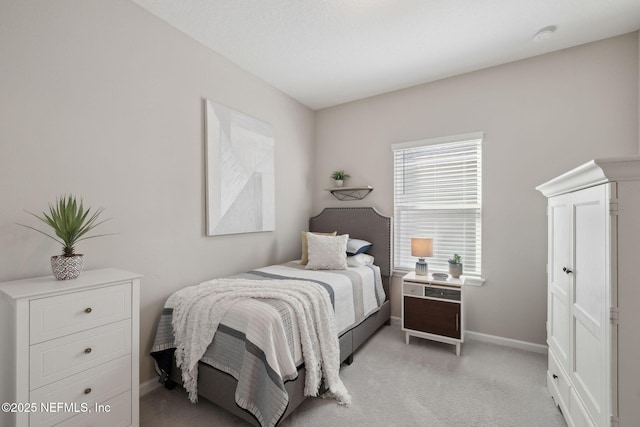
(438, 194)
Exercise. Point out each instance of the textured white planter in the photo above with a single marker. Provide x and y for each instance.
(338, 182)
(66, 267)
(455, 270)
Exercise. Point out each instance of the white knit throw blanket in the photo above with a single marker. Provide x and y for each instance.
(198, 310)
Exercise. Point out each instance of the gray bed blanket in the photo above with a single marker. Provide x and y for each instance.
(355, 293)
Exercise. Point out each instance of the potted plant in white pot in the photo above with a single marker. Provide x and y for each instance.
(339, 176)
(70, 222)
(455, 266)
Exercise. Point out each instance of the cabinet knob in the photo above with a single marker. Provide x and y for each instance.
(567, 270)
(88, 310)
(87, 390)
(555, 377)
(87, 350)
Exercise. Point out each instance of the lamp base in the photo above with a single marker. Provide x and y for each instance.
(421, 267)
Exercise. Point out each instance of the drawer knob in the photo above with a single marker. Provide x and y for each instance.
(87, 350)
(87, 390)
(88, 310)
(555, 377)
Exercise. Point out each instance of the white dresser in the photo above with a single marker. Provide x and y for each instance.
(70, 350)
(593, 305)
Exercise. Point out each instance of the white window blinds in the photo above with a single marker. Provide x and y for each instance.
(438, 194)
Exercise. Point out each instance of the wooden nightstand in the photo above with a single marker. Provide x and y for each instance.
(433, 309)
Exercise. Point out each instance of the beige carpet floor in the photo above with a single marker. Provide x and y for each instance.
(394, 384)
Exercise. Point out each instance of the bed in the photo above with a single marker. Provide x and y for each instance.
(221, 384)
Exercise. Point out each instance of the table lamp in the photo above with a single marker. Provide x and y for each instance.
(421, 247)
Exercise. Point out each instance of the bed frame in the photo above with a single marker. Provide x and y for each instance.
(364, 223)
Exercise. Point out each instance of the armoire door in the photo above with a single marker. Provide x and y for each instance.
(558, 318)
(591, 299)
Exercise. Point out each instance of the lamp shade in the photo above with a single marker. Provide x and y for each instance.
(421, 247)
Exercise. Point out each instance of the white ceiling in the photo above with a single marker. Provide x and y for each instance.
(328, 52)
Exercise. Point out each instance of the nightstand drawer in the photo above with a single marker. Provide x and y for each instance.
(61, 315)
(409, 289)
(57, 359)
(448, 294)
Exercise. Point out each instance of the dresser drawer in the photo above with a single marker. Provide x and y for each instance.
(65, 314)
(56, 359)
(117, 415)
(558, 383)
(85, 390)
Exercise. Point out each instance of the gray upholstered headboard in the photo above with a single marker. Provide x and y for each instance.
(360, 223)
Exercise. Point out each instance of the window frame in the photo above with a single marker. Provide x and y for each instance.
(466, 208)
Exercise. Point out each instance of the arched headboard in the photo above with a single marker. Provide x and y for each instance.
(364, 223)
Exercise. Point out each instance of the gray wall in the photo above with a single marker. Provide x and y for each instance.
(540, 116)
(101, 99)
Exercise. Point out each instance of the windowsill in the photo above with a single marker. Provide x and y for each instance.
(466, 280)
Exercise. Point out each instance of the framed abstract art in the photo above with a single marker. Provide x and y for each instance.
(240, 185)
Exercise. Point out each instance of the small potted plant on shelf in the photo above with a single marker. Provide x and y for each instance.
(339, 176)
(455, 266)
(70, 222)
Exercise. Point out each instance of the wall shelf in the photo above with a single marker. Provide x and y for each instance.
(350, 193)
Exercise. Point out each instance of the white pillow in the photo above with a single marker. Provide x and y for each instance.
(305, 252)
(357, 246)
(359, 260)
(327, 252)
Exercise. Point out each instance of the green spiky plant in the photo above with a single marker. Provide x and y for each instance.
(340, 175)
(70, 221)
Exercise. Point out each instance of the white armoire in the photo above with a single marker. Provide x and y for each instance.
(593, 305)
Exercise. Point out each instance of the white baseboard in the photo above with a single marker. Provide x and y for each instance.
(149, 386)
(507, 342)
(493, 339)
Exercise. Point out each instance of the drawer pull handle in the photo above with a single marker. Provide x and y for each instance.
(87, 350)
(87, 390)
(555, 377)
(88, 310)
(567, 270)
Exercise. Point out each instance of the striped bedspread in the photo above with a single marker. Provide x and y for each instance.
(239, 347)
